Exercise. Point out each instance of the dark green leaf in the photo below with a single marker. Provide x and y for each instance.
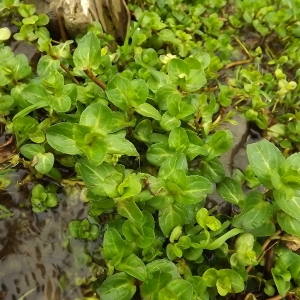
(119, 286)
(264, 158)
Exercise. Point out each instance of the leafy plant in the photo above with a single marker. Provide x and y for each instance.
(141, 130)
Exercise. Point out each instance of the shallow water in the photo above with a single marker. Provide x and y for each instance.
(37, 257)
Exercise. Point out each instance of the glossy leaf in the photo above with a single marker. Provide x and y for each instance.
(290, 206)
(60, 138)
(170, 217)
(264, 158)
(45, 162)
(133, 266)
(231, 190)
(119, 286)
(255, 212)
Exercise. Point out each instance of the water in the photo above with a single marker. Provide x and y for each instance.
(38, 259)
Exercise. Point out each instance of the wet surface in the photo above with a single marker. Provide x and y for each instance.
(38, 259)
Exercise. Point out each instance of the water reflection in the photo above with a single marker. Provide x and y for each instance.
(37, 259)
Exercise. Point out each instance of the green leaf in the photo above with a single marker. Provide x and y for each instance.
(119, 286)
(117, 91)
(178, 70)
(61, 103)
(155, 282)
(195, 81)
(176, 162)
(120, 145)
(231, 190)
(93, 145)
(175, 214)
(222, 239)
(138, 233)
(87, 55)
(164, 266)
(34, 93)
(255, 212)
(113, 245)
(60, 138)
(130, 210)
(133, 266)
(291, 206)
(45, 162)
(219, 143)
(213, 170)
(46, 64)
(102, 180)
(148, 110)
(138, 93)
(178, 139)
(210, 277)
(205, 220)
(169, 122)
(158, 153)
(195, 190)
(143, 130)
(177, 289)
(265, 158)
(229, 281)
(98, 116)
(6, 102)
(4, 34)
(30, 150)
(131, 186)
(289, 224)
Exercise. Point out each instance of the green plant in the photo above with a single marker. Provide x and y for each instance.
(140, 130)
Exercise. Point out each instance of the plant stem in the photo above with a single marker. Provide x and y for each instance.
(95, 79)
(66, 69)
(72, 182)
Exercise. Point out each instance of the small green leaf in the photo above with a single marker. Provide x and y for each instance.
(30, 150)
(45, 162)
(4, 34)
(147, 110)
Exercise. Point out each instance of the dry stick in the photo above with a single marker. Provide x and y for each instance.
(61, 26)
(275, 236)
(95, 79)
(240, 62)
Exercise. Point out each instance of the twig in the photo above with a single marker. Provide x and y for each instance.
(95, 79)
(237, 63)
(69, 73)
(61, 26)
(66, 69)
(240, 62)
